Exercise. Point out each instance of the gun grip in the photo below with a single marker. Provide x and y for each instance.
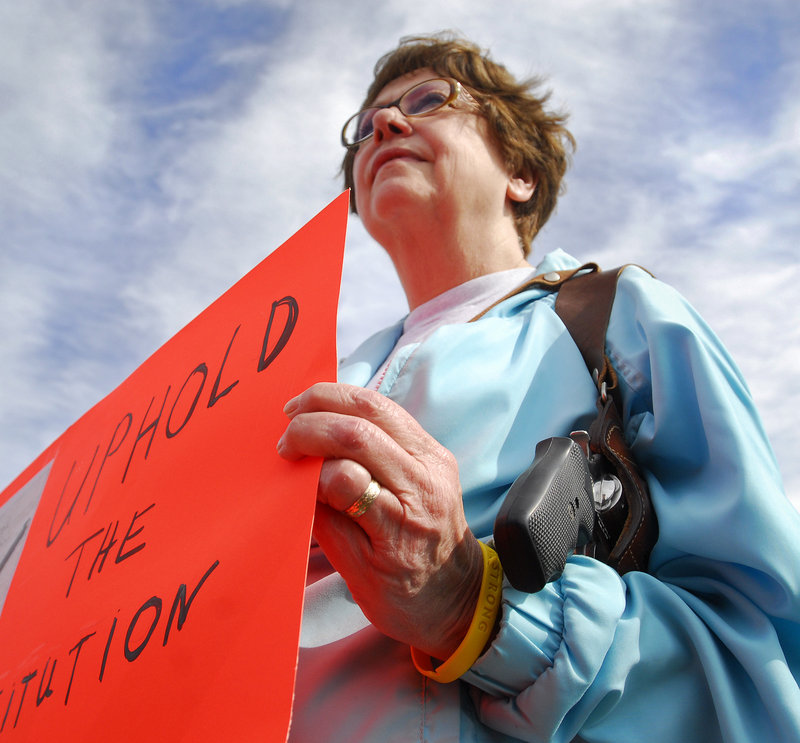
(548, 512)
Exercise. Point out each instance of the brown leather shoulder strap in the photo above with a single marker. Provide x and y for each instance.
(584, 304)
(584, 300)
(550, 281)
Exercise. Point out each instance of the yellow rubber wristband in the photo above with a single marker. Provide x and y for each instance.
(479, 630)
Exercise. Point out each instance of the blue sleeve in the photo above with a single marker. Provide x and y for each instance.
(706, 645)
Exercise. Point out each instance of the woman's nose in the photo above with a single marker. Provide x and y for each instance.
(390, 121)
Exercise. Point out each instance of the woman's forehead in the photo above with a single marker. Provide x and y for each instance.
(394, 89)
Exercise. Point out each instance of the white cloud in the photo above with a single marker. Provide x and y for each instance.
(149, 206)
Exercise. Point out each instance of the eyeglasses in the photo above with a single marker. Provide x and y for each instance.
(423, 99)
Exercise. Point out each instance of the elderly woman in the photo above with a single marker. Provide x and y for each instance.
(454, 168)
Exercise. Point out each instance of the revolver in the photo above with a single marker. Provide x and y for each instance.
(551, 509)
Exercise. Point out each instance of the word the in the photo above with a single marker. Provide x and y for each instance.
(107, 543)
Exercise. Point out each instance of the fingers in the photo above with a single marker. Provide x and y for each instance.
(350, 489)
(362, 435)
(346, 437)
(369, 405)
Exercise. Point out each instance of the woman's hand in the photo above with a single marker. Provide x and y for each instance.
(410, 560)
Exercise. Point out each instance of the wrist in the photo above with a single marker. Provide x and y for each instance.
(462, 591)
(482, 628)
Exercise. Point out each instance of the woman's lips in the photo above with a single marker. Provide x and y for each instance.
(386, 156)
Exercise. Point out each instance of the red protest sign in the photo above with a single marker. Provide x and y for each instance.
(154, 556)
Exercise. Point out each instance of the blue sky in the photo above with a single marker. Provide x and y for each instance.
(153, 152)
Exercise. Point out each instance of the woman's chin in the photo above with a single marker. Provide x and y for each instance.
(396, 198)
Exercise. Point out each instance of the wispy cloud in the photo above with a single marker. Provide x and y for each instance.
(143, 172)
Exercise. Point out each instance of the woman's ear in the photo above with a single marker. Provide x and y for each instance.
(521, 187)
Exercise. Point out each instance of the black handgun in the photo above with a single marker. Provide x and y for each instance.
(548, 513)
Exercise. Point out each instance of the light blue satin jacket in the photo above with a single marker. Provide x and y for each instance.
(704, 647)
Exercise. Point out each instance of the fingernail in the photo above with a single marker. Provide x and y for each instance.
(290, 406)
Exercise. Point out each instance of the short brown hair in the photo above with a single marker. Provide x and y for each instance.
(532, 139)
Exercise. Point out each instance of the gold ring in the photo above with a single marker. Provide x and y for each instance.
(362, 504)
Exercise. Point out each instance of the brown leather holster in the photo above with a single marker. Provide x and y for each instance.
(625, 532)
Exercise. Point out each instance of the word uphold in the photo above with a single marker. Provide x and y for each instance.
(202, 387)
(53, 679)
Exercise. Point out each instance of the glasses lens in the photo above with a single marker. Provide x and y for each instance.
(426, 97)
(358, 127)
(420, 100)
(362, 125)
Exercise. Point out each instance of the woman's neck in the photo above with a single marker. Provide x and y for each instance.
(429, 265)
